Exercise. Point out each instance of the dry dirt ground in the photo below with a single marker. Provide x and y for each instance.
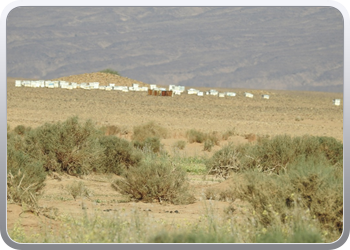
(286, 112)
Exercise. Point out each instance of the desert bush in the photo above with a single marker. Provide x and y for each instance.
(69, 146)
(208, 145)
(194, 135)
(310, 185)
(119, 155)
(224, 161)
(78, 189)
(149, 130)
(276, 154)
(150, 143)
(20, 129)
(228, 133)
(25, 177)
(156, 179)
(180, 145)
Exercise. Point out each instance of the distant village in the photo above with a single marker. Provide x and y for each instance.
(152, 89)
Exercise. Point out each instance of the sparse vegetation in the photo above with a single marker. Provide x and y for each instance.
(291, 187)
(110, 71)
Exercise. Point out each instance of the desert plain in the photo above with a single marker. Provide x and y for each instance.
(294, 113)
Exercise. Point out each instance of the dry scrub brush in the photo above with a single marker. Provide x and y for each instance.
(156, 179)
(25, 176)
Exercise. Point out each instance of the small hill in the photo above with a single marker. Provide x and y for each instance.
(103, 78)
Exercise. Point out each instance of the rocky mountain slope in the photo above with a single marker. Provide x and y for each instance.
(230, 47)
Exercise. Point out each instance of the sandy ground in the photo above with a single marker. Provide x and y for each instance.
(286, 112)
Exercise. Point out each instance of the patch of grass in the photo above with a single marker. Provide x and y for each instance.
(208, 145)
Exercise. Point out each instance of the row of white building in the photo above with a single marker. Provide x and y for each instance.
(73, 85)
(177, 90)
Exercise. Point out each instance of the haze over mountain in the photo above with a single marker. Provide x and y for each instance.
(299, 48)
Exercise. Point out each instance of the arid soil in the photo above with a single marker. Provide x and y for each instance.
(286, 112)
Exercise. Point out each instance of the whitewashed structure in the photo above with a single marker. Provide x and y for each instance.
(153, 86)
(336, 102)
(250, 95)
(18, 83)
(213, 92)
(200, 93)
(192, 91)
(265, 96)
(221, 94)
(230, 94)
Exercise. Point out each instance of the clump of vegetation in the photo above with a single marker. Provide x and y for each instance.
(66, 147)
(156, 179)
(110, 71)
(228, 133)
(150, 143)
(275, 154)
(310, 185)
(208, 145)
(191, 237)
(180, 145)
(78, 189)
(224, 161)
(149, 130)
(194, 135)
(25, 176)
(119, 155)
(20, 129)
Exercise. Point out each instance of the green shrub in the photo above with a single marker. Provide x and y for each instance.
(150, 143)
(310, 185)
(156, 179)
(25, 176)
(276, 154)
(224, 161)
(119, 155)
(110, 71)
(149, 130)
(68, 147)
(20, 129)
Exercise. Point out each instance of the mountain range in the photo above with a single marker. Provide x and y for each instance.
(291, 48)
